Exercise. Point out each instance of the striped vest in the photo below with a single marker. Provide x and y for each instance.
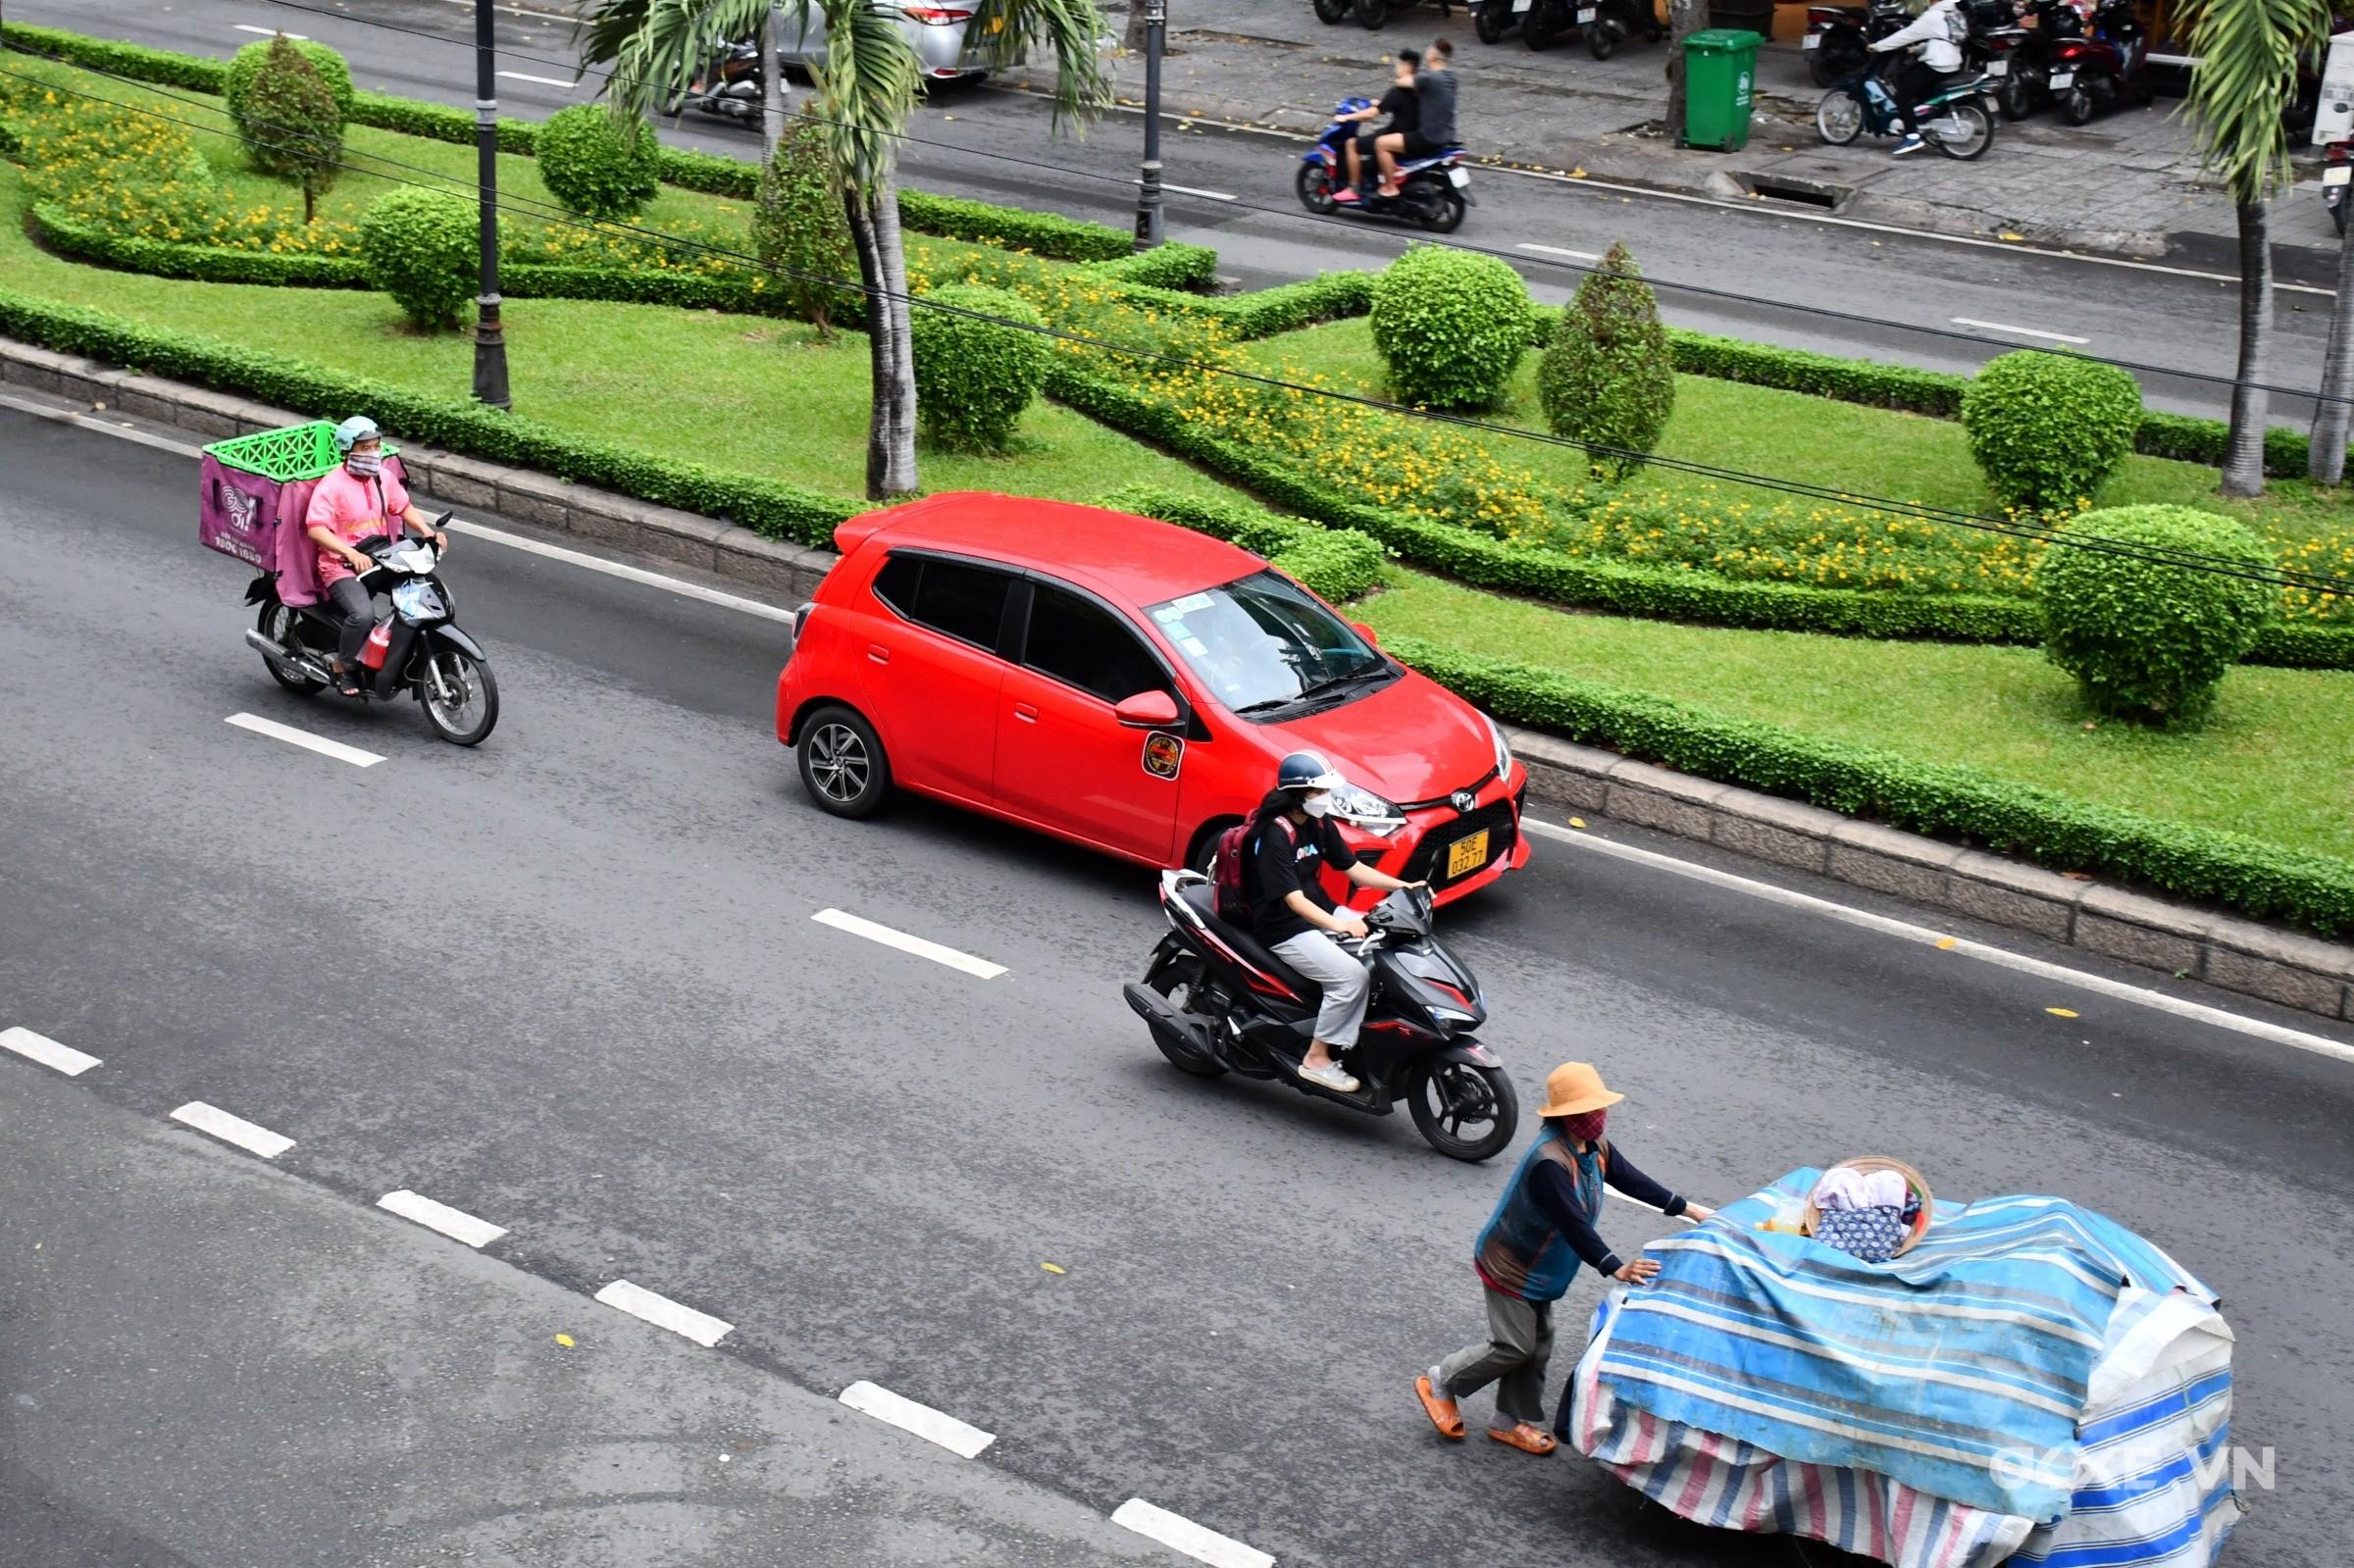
(1518, 1252)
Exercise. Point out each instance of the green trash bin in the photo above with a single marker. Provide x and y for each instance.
(1720, 64)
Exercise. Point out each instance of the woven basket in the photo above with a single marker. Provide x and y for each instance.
(1881, 1162)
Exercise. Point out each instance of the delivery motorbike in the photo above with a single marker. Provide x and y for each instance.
(1218, 1002)
(417, 649)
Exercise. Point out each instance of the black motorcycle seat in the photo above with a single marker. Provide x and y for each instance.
(1202, 899)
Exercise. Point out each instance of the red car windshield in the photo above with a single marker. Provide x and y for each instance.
(1263, 644)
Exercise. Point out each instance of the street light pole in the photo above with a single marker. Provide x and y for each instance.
(1147, 184)
(490, 340)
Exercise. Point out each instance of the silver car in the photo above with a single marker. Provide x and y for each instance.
(938, 33)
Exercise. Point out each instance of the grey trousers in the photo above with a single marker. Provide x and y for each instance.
(1346, 981)
(1513, 1356)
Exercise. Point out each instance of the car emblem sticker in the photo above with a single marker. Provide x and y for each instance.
(1462, 800)
(1163, 754)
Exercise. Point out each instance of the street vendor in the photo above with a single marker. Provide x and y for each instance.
(353, 502)
(1529, 1251)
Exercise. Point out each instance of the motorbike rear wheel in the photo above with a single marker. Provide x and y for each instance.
(1331, 12)
(283, 627)
(1372, 15)
(1491, 19)
(1180, 979)
(2076, 107)
(1447, 1096)
(1444, 213)
(461, 697)
(1541, 28)
(2017, 97)
(1839, 118)
(1602, 40)
(1315, 184)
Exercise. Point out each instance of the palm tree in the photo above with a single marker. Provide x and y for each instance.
(866, 92)
(2247, 52)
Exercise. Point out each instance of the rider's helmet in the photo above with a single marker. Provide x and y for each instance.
(353, 430)
(1308, 770)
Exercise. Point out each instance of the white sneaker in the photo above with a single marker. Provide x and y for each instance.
(1330, 1077)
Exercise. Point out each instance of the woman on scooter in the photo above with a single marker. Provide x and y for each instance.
(1403, 107)
(352, 503)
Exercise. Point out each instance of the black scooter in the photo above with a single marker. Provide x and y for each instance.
(1607, 23)
(417, 649)
(730, 88)
(1218, 1002)
(1838, 39)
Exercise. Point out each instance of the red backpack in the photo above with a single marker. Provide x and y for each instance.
(1226, 867)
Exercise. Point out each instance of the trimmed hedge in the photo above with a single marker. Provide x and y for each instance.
(1168, 265)
(1336, 565)
(778, 511)
(2251, 877)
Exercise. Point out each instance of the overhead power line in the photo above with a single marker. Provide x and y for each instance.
(2035, 532)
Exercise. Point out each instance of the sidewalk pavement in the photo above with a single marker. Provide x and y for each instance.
(2126, 184)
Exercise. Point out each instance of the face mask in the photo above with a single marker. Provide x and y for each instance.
(366, 464)
(1316, 805)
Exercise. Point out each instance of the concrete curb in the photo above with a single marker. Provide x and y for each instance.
(603, 515)
(2238, 955)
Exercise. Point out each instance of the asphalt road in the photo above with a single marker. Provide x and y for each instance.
(570, 983)
(2175, 320)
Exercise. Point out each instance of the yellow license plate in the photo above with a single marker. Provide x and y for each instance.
(1467, 854)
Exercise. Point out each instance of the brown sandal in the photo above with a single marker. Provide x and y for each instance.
(1441, 1409)
(1526, 1437)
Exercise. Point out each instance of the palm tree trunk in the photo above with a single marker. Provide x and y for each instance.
(1132, 36)
(772, 84)
(891, 420)
(2251, 404)
(2325, 459)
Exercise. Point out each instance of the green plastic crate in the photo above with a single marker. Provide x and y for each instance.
(297, 452)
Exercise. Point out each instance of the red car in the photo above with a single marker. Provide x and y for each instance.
(1127, 684)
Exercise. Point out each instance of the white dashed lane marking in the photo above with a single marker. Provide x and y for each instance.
(1556, 250)
(1181, 1533)
(544, 81)
(268, 32)
(46, 1051)
(905, 943)
(929, 1423)
(664, 1313)
(456, 1224)
(2016, 331)
(233, 1130)
(305, 739)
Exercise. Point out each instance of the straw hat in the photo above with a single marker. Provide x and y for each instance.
(1574, 1088)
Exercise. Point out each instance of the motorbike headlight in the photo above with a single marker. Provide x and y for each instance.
(1504, 748)
(1364, 809)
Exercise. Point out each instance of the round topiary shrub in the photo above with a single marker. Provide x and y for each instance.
(2048, 429)
(1450, 326)
(420, 247)
(597, 166)
(973, 377)
(1608, 378)
(246, 64)
(2148, 640)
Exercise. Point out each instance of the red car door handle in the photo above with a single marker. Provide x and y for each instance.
(879, 654)
(1026, 712)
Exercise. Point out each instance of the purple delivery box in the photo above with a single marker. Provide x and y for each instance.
(253, 492)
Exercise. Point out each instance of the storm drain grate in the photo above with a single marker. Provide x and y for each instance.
(1805, 193)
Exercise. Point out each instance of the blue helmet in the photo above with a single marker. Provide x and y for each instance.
(355, 429)
(1306, 770)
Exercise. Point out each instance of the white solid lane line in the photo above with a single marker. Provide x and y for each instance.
(268, 32)
(2016, 332)
(921, 1419)
(303, 739)
(905, 943)
(664, 1313)
(544, 81)
(456, 1224)
(615, 569)
(1907, 930)
(1212, 196)
(1556, 250)
(233, 1130)
(46, 1051)
(1181, 1533)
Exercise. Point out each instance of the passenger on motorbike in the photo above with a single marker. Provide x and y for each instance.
(1938, 32)
(1434, 104)
(1405, 111)
(1293, 914)
(351, 503)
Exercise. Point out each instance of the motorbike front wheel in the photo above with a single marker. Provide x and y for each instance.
(1331, 12)
(1963, 130)
(461, 697)
(283, 627)
(1464, 1111)
(1490, 18)
(1839, 118)
(1315, 184)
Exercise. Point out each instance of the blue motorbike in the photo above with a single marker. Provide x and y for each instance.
(1433, 192)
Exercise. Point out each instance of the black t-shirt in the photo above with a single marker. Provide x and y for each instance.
(1405, 110)
(1435, 106)
(1287, 860)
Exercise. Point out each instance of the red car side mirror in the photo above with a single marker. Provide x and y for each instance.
(1365, 631)
(1148, 710)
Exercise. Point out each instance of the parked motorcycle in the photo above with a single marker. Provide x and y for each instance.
(2025, 84)
(2107, 63)
(1372, 15)
(1838, 37)
(1432, 192)
(1607, 23)
(1546, 22)
(730, 88)
(1992, 46)
(1216, 1001)
(417, 649)
(1491, 19)
(1953, 119)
